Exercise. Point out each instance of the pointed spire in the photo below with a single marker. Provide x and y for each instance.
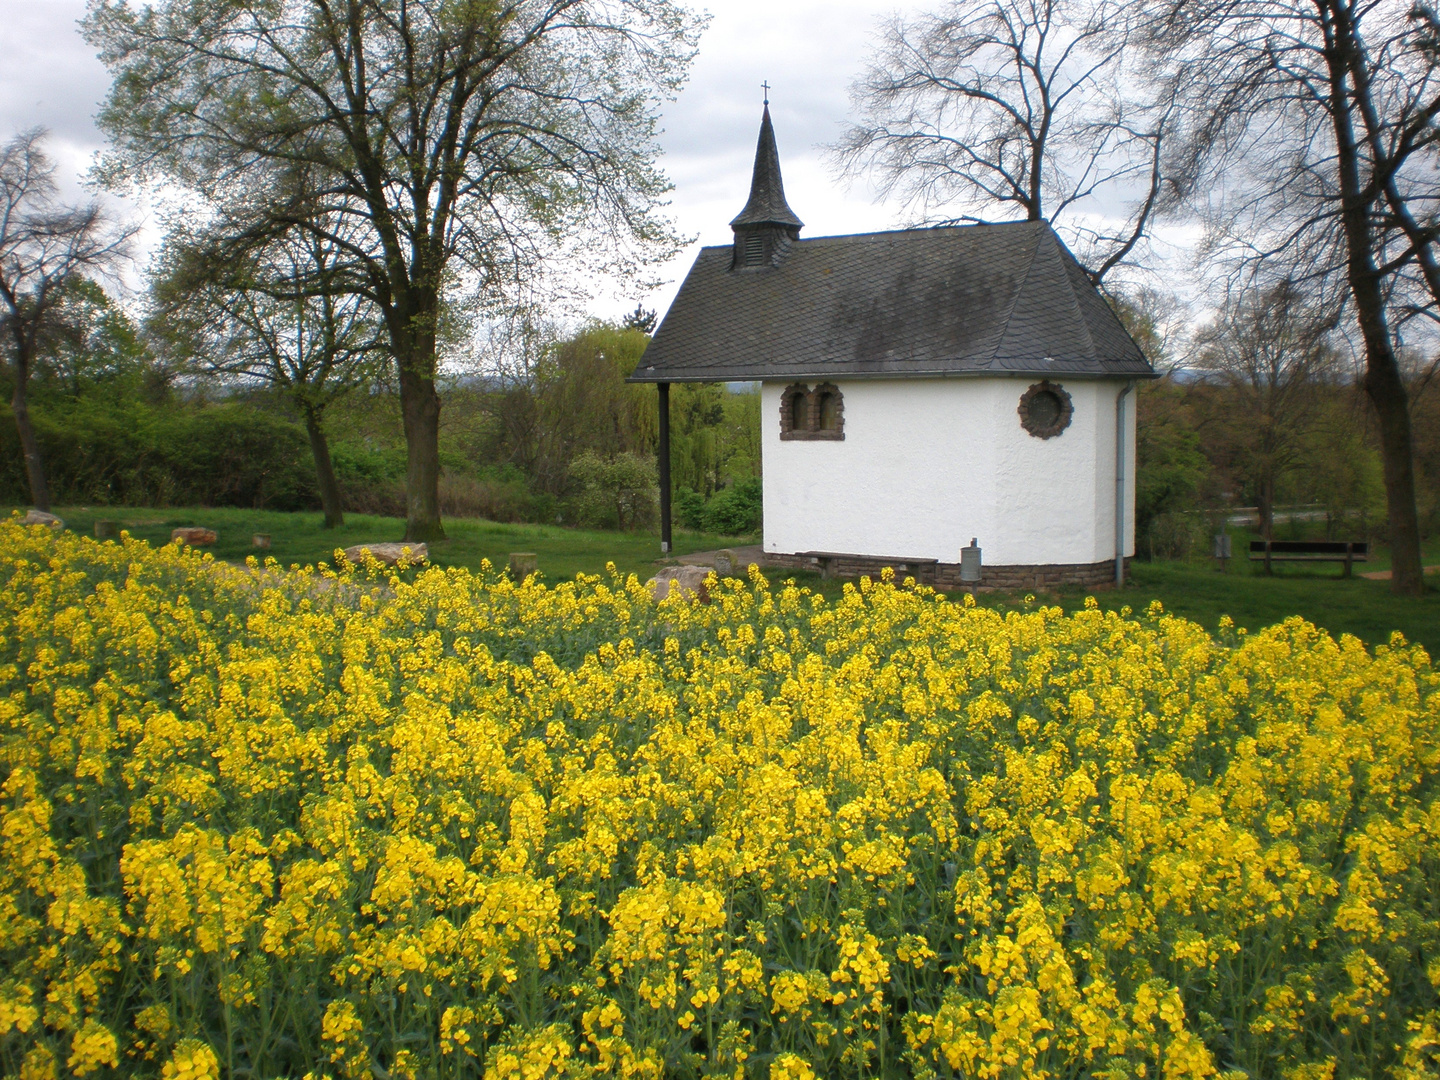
(767, 204)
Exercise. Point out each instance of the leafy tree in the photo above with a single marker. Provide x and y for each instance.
(1015, 107)
(1270, 346)
(44, 245)
(92, 344)
(471, 143)
(280, 315)
(583, 402)
(1171, 468)
(642, 319)
(616, 492)
(714, 436)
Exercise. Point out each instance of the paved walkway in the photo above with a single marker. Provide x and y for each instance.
(745, 554)
(1384, 575)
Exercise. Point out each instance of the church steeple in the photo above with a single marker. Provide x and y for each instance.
(766, 227)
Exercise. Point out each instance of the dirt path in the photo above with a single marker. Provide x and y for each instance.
(1384, 575)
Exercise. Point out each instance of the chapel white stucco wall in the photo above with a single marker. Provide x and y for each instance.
(927, 464)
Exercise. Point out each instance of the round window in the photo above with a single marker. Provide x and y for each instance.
(1045, 410)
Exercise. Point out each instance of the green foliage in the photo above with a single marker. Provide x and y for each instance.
(1342, 472)
(582, 403)
(735, 510)
(92, 345)
(617, 492)
(714, 436)
(731, 511)
(99, 450)
(688, 506)
(1171, 468)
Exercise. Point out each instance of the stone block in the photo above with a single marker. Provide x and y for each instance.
(686, 581)
(523, 564)
(195, 536)
(105, 529)
(260, 540)
(389, 554)
(40, 517)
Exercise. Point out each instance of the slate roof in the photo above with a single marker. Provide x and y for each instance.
(1004, 299)
(767, 205)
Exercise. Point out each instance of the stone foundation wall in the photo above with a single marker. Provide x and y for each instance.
(947, 575)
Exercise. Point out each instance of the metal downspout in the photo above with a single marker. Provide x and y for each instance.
(1120, 484)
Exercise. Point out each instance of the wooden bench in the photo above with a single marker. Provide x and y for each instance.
(1348, 552)
(826, 561)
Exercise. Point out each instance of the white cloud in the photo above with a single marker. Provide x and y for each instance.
(808, 50)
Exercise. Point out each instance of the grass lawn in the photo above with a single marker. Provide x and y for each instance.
(301, 538)
(1197, 590)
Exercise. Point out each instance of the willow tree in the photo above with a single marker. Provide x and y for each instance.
(472, 144)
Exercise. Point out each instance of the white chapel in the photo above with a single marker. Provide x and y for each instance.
(920, 389)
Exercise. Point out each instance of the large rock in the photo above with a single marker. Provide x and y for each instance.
(389, 554)
(40, 517)
(195, 536)
(688, 580)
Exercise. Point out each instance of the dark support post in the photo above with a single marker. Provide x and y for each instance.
(664, 467)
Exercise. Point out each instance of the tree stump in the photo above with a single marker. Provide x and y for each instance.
(523, 564)
(195, 536)
(260, 540)
(105, 529)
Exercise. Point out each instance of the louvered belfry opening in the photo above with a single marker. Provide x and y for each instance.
(767, 226)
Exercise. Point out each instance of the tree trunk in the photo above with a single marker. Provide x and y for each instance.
(411, 323)
(1265, 506)
(420, 410)
(324, 470)
(1386, 390)
(20, 405)
(1383, 382)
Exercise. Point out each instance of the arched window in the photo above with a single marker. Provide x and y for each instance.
(829, 411)
(800, 412)
(812, 414)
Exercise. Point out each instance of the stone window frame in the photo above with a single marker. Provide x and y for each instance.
(1059, 424)
(811, 431)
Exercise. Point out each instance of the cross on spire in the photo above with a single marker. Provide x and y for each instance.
(766, 86)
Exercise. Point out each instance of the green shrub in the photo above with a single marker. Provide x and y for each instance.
(142, 454)
(690, 508)
(735, 510)
(615, 493)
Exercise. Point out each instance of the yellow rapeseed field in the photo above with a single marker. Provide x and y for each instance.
(266, 823)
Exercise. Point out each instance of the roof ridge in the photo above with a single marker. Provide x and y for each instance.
(924, 230)
(1015, 299)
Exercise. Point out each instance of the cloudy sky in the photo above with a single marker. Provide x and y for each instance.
(808, 50)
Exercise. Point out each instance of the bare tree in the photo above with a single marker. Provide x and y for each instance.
(43, 245)
(286, 314)
(1015, 107)
(476, 143)
(1311, 140)
(1270, 347)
